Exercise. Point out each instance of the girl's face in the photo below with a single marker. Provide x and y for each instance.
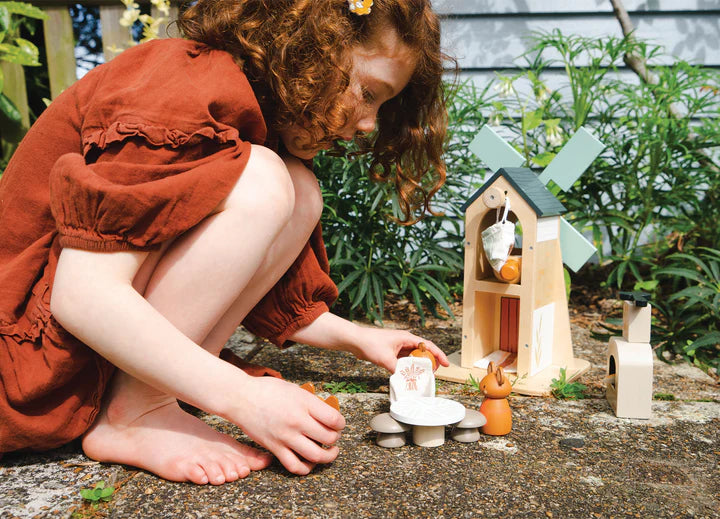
(380, 70)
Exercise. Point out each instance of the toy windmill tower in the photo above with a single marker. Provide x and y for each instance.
(522, 325)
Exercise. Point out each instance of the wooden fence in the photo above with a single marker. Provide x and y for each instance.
(60, 46)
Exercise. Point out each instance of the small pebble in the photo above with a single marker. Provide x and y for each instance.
(573, 443)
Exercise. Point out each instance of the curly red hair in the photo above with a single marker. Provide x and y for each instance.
(297, 56)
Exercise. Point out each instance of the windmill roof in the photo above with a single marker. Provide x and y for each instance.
(529, 187)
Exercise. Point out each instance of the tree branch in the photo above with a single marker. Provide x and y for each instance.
(635, 62)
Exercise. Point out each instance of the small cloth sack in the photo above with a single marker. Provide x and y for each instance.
(498, 239)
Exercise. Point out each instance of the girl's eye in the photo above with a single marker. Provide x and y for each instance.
(367, 96)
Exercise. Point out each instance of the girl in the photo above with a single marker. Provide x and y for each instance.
(165, 198)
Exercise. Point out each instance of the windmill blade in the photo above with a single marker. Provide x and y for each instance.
(573, 159)
(574, 247)
(489, 147)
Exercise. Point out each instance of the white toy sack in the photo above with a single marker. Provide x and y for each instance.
(499, 238)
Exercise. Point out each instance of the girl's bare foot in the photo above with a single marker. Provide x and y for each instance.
(170, 443)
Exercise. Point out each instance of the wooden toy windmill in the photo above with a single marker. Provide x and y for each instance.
(520, 319)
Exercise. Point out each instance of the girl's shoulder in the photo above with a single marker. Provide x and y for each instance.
(173, 83)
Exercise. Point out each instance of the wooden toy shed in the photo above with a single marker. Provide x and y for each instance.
(525, 324)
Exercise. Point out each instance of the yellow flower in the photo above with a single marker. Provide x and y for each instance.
(129, 17)
(162, 5)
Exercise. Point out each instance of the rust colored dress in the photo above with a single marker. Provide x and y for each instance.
(135, 153)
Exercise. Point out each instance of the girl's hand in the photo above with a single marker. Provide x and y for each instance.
(384, 347)
(290, 422)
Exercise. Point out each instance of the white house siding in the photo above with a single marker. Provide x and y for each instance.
(487, 35)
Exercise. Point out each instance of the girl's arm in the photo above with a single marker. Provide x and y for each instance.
(378, 345)
(93, 299)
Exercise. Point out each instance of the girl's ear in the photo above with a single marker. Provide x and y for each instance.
(500, 376)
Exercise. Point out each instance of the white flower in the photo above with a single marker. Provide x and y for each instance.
(541, 92)
(553, 134)
(504, 87)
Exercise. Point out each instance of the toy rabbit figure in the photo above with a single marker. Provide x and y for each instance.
(496, 387)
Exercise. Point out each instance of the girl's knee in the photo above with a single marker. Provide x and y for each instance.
(308, 196)
(265, 186)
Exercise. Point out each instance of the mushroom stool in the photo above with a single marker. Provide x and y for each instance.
(466, 431)
(391, 433)
(428, 416)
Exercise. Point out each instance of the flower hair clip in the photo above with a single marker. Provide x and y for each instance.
(360, 7)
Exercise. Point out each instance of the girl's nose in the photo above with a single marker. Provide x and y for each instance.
(366, 124)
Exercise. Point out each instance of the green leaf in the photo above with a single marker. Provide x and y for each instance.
(25, 9)
(27, 47)
(349, 279)
(14, 54)
(4, 20)
(88, 494)
(532, 120)
(543, 159)
(648, 285)
(362, 290)
(711, 339)
(9, 109)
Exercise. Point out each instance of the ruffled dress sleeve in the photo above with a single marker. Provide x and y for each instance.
(166, 131)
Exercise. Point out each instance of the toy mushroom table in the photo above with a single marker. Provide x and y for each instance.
(391, 433)
(428, 416)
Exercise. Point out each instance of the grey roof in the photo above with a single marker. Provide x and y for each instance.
(526, 183)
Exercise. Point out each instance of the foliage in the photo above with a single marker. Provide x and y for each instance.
(371, 255)
(564, 390)
(345, 387)
(17, 50)
(98, 493)
(692, 308)
(473, 384)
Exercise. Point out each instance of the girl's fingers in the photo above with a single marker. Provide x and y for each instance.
(326, 415)
(293, 463)
(322, 434)
(312, 452)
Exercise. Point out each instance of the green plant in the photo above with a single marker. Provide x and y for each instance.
(664, 396)
(473, 384)
(345, 387)
(16, 50)
(97, 493)
(564, 390)
(692, 306)
(371, 256)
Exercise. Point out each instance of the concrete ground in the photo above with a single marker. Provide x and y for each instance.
(563, 459)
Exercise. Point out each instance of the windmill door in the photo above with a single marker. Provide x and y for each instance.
(509, 319)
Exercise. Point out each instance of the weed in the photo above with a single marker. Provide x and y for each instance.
(98, 493)
(564, 390)
(473, 384)
(663, 396)
(345, 387)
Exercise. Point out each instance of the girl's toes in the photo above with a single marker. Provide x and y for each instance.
(214, 472)
(196, 474)
(239, 468)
